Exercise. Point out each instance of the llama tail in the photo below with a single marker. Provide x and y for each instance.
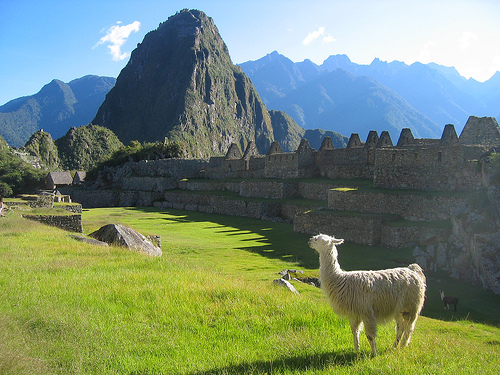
(416, 268)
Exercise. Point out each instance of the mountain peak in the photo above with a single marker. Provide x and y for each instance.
(334, 62)
(180, 83)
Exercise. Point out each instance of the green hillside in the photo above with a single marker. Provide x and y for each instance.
(15, 174)
(82, 148)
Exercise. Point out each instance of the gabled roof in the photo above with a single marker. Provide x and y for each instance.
(480, 131)
(233, 152)
(251, 150)
(275, 148)
(304, 146)
(60, 178)
(327, 144)
(79, 177)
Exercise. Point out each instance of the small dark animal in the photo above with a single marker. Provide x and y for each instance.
(447, 301)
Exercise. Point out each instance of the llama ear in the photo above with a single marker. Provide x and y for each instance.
(337, 241)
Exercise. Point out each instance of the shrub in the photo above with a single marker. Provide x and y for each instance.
(136, 151)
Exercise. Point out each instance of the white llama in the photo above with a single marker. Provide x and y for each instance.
(371, 297)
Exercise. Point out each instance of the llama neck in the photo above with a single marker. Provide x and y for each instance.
(329, 264)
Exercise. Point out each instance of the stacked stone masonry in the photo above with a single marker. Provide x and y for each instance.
(228, 184)
(72, 223)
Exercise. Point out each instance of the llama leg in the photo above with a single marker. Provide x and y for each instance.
(411, 320)
(355, 328)
(371, 333)
(400, 327)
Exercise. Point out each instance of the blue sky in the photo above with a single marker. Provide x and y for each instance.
(45, 39)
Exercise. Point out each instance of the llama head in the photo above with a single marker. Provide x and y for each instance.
(324, 243)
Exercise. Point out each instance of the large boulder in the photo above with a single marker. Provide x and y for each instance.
(116, 234)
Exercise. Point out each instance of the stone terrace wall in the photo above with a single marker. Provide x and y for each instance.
(113, 198)
(75, 208)
(347, 171)
(409, 206)
(233, 206)
(72, 223)
(360, 229)
(268, 189)
(363, 229)
(315, 191)
(209, 185)
(401, 236)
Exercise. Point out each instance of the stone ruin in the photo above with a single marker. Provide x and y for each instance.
(448, 163)
(259, 186)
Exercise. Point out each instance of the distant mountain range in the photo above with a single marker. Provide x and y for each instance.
(192, 92)
(55, 108)
(349, 97)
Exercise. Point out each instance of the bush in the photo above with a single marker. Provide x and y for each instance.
(5, 190)
(136, 151)
(17, 176)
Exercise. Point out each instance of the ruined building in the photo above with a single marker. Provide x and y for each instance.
(449, 163)
(411, 194)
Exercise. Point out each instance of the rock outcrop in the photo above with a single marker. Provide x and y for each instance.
(472, 251)
(180, 83)
(119, 235)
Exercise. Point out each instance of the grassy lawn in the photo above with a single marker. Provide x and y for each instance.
(208, 305)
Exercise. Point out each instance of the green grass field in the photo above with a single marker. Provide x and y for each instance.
(208, 305)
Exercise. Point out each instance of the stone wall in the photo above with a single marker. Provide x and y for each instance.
(113, 198)
(432, 168)
(408, 236)
(72, 223)
(409, 206)
(208, 185)
(282, 165)
(75, 208)
(481, 131)
(315, 191)
(345, 156)
(42, 201)
(362, 229)
(271, 210)
(346, 171)
(268, 189)
(145, 183)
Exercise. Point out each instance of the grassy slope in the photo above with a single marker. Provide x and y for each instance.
(207, 306)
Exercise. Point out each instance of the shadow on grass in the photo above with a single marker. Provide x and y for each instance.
(298, 363)
(279, 241)
(276, 240)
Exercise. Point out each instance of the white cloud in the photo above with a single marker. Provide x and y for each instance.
(329, 39)
(116, 36)
(313, 36)
(466, 40)
(426, 52)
